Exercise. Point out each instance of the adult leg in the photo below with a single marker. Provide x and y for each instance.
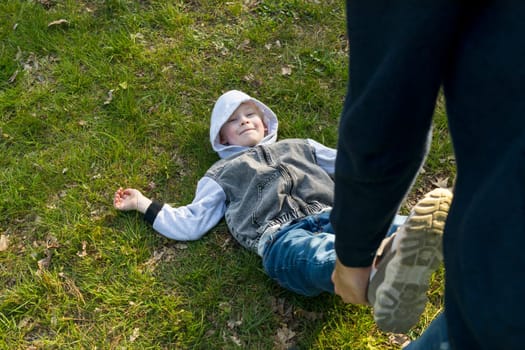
(435, 336)
(398, 53)
(485, 233)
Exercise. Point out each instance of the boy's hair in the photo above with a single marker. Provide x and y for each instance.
(254, 105)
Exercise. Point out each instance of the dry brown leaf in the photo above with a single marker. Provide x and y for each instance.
(46, 3)
(52, 242)
(250, 4)
(401, 340)
(234, 324)
(72, 288)
(43, 264)
(135, 335)
(58, 22)
(282, 308)
(441, 182)
(225, 307)
(24, 322)
(169, 254)
(283, 337)
(13, 77)
(245, 45)
(286, 70)
(4, 243)
(83, 253)
(166, 254)
(226, 242)
(109, 98)
(153, 261)
(309, 315)
(236, 340)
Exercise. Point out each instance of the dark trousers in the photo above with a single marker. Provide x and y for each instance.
(401, 54)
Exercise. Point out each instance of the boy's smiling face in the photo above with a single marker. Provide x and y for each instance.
(245, 127)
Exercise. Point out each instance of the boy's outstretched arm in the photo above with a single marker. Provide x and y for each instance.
(184, 223)
(131, 199)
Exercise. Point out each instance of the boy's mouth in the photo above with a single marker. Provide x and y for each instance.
(246, 130)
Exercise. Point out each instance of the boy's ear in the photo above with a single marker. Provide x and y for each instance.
(222, 141)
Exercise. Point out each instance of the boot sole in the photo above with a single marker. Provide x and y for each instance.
(401, 297)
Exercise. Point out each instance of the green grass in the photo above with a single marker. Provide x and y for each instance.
(121, 95)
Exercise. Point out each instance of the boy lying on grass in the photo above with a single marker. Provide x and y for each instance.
(276, 199)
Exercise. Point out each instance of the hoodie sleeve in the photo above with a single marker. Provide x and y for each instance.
(325, 156)
(190, 222)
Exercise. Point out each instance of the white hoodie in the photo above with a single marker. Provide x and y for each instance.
(222, 111)
(192, 221)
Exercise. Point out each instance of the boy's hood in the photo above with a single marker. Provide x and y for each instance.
(223, 109)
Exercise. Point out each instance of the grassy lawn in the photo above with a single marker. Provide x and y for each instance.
(105, 93)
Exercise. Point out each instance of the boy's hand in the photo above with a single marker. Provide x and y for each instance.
(351, 283)
(130, 199)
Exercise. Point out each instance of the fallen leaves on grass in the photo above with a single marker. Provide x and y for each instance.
(12, 79)
(286, 70)
(234, 337)
(290, 321)
(37, 69)
(58, 22)
(250, 78)
(441, 182)
(165, 254)
(135, 335)
(400, 340)
(244, 46)
(83, 253)
(46, 3)
(232, 324)
(4, 243)
(43, 264)
(284, 337)
(269, 46)
(109, 98)
(50, 244)
(71, 288)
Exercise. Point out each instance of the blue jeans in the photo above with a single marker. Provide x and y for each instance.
(301, 256)
(435, 337)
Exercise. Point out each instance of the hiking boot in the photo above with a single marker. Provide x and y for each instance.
(398, 289)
